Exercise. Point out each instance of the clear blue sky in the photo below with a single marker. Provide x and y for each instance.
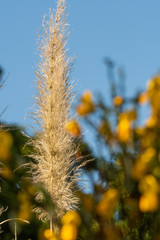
(126, 31)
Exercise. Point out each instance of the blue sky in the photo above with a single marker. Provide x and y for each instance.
(126, 31)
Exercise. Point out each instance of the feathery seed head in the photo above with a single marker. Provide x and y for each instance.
(55, 166)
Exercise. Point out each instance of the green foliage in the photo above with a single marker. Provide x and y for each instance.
(123, 202)
(17, 191)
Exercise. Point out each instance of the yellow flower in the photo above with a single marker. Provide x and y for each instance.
(148, 202)
(25, 212)
(124, 129)
(71, 217)
(106, 206)
(151, 121)
(86, 105)
(153, 84)
(153, 90)
(139, 169)
(149, 187)
(143, 98)
(49, 235)
(124, 125)
(87, 97)
(85, 108)
(141, 164)
(117, 100)
(73, 127)
(25, 207)
(68, 232)
(148, 154)
(6, 141)
(148, 184)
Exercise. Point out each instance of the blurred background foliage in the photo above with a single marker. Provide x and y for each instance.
(124, 174)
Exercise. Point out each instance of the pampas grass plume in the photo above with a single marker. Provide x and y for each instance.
(54, 166)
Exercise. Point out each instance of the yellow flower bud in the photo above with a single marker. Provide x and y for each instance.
(49, 235)
(117, 100)
(106, 206)
(124, 129)
(68, 232)
(73, 127)
(143, 98)
(86, 105)
(148, 202)
(6, 141)
(149, 184)
(71, 217)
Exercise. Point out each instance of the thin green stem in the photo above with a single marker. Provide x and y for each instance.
(51, 224)
(15, 230)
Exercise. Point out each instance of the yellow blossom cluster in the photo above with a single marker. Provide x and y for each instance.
(86, 105)
(124, 125)
(108, 203)
(141, 164)
(49, 235)
(117, 100)
(73, 128)
(71, 221)
(149, 187)
(25, 207)
(6, 141)
(143, 98)
(153, 91)
(145, 168)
